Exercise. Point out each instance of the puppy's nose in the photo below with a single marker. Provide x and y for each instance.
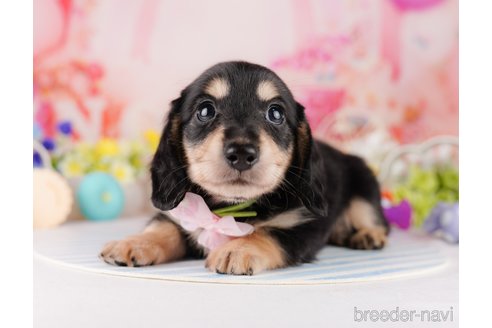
(241, 157)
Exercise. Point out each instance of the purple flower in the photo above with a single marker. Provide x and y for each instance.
(65, 127)
(49, 144)
(36, 159)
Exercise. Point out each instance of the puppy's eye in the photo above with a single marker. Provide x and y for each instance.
(275, 114)
(206, 111)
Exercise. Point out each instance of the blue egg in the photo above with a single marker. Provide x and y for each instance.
(100, 197)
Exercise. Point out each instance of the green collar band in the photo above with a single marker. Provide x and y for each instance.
(236, 210)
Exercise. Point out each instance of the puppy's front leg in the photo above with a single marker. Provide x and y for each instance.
(160, 242)
(288, 238)
(247, 255)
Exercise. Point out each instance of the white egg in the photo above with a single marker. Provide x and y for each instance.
(52, 198)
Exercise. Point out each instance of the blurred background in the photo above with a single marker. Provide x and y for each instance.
(373, 75)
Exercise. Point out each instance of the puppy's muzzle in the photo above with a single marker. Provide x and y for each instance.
(241, 157)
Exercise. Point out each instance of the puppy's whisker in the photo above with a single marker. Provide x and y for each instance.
(282, 185)
(175, 186)
(306, 182)
(285, 185)
(298, 167)
(299, 176)
(264, 199)
(288, 184)
(168, 175)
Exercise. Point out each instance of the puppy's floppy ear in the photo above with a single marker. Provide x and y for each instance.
(305, 169)
(168, 169)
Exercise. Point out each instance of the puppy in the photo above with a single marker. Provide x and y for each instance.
(237, 134)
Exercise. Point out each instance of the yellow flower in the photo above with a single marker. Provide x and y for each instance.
(72, 166)
(82, 147)
(84, 151)
(107, 147)
(102, 166)
(152, 137)
(122, 171)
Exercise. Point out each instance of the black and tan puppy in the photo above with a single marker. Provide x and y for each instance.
(236, 134)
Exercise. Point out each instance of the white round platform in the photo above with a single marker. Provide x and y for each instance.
(77, 245)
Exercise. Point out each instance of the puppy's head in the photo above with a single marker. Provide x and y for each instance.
(237, 133)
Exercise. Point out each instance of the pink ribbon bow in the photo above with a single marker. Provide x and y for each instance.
(194, 215)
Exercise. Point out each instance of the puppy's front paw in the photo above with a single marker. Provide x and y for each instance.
(368, 238)
(246, 256)
(159, 243)
(134, 251)
(233, 260)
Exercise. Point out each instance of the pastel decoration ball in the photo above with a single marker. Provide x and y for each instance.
(52, 197)
(100, 197)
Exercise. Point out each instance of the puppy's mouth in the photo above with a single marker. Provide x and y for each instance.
(235, 189)
(233, 200)
(238, 182)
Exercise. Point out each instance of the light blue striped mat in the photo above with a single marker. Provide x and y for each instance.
(78, 244)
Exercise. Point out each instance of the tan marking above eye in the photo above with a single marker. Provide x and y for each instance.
(218, 88)
(266, 90)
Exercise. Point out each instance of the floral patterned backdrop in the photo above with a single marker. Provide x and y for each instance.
(369, 72)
